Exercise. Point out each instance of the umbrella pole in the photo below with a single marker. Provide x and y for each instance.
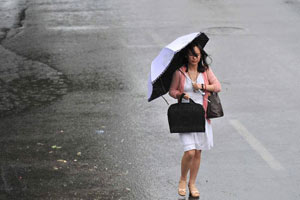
(164, 91)
(165, 99)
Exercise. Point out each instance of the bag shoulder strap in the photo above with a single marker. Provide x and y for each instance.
(182, 73)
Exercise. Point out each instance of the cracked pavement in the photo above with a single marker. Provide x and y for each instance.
(24, 82)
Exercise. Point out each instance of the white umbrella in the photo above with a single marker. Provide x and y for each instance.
(168, 60)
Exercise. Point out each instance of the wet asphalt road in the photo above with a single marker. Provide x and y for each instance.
(100, 139)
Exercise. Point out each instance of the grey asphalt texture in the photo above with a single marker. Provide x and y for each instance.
(75, 121)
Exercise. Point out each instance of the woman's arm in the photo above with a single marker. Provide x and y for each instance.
(174, 88)
(213, 83)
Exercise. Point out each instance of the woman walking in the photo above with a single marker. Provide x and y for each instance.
(196, 80)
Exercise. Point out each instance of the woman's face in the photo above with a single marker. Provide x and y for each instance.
(194, 59)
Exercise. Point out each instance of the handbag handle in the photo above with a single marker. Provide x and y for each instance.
(182, 95)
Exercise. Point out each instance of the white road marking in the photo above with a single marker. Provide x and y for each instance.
(256, 145)
(77, 28)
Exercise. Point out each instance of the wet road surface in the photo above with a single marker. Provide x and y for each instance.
(100, 139)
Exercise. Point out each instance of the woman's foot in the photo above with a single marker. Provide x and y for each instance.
(194, 192)
(182, 187)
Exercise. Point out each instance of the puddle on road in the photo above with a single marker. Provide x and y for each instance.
(22, 182)
(21, 94)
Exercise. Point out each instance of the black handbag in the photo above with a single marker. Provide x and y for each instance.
(214, 106)
(186, 117)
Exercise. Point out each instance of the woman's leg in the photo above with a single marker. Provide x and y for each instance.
(195, 167)
(186, 163)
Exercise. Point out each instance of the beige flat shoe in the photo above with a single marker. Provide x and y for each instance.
(182, 188)
(194, 192)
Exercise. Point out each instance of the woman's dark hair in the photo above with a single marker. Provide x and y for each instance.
(202, 65)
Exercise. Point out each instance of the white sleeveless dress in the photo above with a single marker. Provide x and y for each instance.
(196, 140)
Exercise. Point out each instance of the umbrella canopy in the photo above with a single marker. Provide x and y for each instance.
(168, 61)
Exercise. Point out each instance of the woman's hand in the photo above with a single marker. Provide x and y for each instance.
(186, 96)
(197, 86)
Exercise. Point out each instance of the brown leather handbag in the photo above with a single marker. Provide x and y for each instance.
(214, 106)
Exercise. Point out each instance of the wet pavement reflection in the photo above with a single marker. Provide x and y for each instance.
(74, 118)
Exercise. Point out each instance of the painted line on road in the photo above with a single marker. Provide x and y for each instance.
(256, 145)
(77, 28)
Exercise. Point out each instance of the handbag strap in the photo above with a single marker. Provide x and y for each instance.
(181, 97)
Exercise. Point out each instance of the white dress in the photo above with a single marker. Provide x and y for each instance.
(196, 140)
